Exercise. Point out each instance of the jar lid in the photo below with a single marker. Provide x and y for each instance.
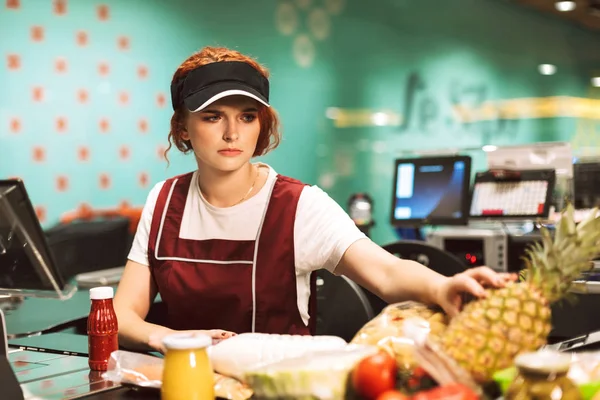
(186, 341)
(544, 361)
(101, 293)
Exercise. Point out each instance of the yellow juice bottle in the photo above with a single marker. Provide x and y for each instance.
(187, 371)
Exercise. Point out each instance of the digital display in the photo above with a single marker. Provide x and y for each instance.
(431, 191)
(509, 198)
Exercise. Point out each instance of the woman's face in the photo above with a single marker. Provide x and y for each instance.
(225, 133)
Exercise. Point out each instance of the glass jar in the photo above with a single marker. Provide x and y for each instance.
(187, 370)
(543, 375)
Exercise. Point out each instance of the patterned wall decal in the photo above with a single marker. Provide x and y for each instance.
(161, 100)
(143, 179)
(61, 124)
(37, 93)
(59, 7)
(314, 20)
(39, 154)
(103, 69)
(13, 4)
(160, 152)
(104, 125)
(13, 62)
(124, 153)
(142, 72)
(82, 96)
(37, 33)
(123, 43)
(62, 183)
(60, 65)
(15, 125)
(83, 154)
(103, 12)
(104, 181)
(81, 38)
(124, 98)
(143, 126)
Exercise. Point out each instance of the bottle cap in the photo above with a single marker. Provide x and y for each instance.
(186, 341)
(545, 361)
(101, 293)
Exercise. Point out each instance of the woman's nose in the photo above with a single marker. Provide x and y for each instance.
(230, 134)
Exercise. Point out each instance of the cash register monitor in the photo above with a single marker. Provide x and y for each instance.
(431, 191)
(512, 194)
(21, 269)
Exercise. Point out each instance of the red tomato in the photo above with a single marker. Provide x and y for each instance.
(392, 395)
(454, 391)
(374, 375)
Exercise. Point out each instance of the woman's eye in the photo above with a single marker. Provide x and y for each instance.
(212, 118)
(249, 117)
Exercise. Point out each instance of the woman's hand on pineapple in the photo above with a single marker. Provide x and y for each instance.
(450, 292)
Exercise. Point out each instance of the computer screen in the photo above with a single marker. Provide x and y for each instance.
(525, 194)
(586, 185)
(20, 266)
(431, 191)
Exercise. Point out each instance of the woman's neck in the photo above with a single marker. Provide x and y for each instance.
(226, 189)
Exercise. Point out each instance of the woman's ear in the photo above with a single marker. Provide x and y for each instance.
(184, 133)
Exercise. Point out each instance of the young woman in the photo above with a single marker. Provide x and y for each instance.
(231, 247)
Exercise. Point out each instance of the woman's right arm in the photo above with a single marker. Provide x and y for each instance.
(135, 295)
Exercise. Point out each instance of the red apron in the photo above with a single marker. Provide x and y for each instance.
(240, 286)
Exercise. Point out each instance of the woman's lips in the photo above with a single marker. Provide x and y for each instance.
(230, 152)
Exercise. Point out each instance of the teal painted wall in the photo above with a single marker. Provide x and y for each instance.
(322, 53)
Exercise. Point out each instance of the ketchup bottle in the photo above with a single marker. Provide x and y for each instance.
(102, 328)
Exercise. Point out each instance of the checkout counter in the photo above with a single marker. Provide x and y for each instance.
(44, 349)
(47, 351)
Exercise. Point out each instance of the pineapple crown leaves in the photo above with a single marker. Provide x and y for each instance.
(553, 263)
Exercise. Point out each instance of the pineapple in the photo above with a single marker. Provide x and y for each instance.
(488, 333)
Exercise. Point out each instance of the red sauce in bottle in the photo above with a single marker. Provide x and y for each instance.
(102, 328)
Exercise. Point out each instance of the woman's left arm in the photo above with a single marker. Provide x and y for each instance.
(394, 279)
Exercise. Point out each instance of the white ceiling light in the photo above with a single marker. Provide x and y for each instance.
(565, 6)
(596, 81)
(380, 119)
(547, 69)
(489, 148)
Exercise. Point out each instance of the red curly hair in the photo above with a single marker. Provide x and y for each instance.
(269, 136)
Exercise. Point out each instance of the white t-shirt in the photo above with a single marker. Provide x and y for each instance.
(322, 229)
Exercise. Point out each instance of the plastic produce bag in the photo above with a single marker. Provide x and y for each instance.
(316, 375)
(387, 330)
(146, 371)
(236, 355)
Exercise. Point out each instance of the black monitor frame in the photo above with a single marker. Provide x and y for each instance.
(465, 192)
(53, 283)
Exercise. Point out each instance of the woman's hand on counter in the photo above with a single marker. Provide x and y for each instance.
(449, 292)
(217, 335)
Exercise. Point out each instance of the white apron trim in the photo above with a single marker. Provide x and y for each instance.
(158, 238)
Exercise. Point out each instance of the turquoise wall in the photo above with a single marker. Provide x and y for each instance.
(416, 59)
